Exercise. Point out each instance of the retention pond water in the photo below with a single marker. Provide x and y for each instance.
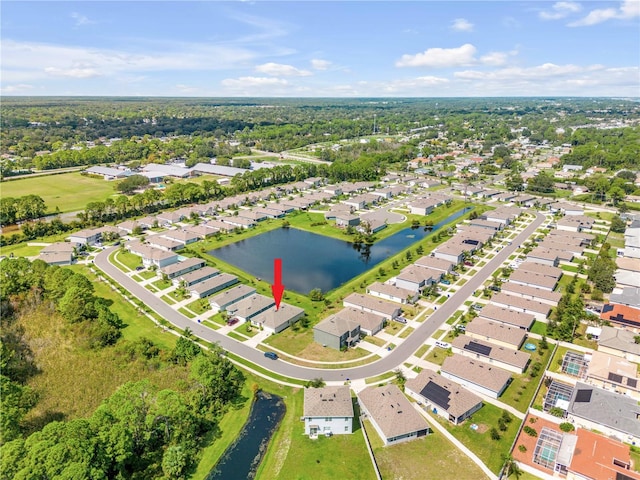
(313, 261)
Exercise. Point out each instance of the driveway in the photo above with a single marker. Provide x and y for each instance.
(390, 362)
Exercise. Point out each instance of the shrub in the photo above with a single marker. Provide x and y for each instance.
(557, 412)
(567, 427)
(530, 431)
(522, 448)
(495, 435)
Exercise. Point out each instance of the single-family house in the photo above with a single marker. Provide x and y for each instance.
(212, 285)
(275, 320)
(391, 414)
(613, 373)
(385, 309)
(607, 412)
(336, 332)
(442, 396)
(538, 309)
(195, 276)
(531, 293)
(152, 256)
(370, 323)
(495, 332)
(619, 342)
(180, 268)
(227, 298)
(476, 375)
(393, 293)
(88, 236)
(515, 361)
(621, 314)
(249, 307)
(328, 411)
(507, 316)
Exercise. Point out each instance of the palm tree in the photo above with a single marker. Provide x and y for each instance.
(511, 467)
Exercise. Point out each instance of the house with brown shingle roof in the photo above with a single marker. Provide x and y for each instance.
(328, 411)
(442, 396)
(507, 316)
(515, 361)
(476, 375)
(532, 293)
(496, 332)
(391, 414)
(519, 304)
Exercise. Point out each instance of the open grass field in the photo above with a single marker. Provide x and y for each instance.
(73, 379)
(69, 192)
(429, 458)
(479, 441)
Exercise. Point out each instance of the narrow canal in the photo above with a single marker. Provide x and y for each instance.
(243, 457)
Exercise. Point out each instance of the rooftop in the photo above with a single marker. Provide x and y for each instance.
(328, 402)
(497, 331)
(506, 315)
(606, 408)
(489, 350)
(447, 394)
(618, 339)
(391, 410)
(476, 372)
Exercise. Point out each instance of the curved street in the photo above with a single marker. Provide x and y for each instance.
(390, 362)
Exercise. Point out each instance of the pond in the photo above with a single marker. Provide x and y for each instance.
(314, 261)
(242, 459)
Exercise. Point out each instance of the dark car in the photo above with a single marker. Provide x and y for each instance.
(232, 321)
(271, 355)
(139, 268)
(495, 288)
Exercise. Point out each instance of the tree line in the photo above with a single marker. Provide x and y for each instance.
(140, 431)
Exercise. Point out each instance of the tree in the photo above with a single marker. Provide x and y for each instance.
(218, 381)
(616, 194)
(174, 462)
(618, 225)
(316, 295)
(77, 305)
(510, 467)
(514, 182)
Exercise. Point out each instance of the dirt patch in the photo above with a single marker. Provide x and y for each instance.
(482, 428)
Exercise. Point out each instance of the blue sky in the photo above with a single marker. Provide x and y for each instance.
(321, 49)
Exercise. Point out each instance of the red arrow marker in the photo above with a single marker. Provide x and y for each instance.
(277, 289)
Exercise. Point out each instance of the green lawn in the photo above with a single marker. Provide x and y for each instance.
(199, 306)
(147, 274)
(406, 332)
(128, 259)
(380, 378)
(479, 441)
(437, 334)
(162, 284)
(521, 390)
(69, 192)
(437, 355)
(186, 313)
(421, 351)
(375, 340)
(21, 250)
(429, 458)
(539, 327)
(298, 457)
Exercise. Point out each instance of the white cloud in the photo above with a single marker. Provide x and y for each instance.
(540, 72)
(628, 10)
(26, 61)
(494, 59)
(281, 70)
(560, 10)
(411, 85)
(249, 82)
(81, 20)
(318, 64)
(18, 88)
(73, 72)
(461, 25)
(185, 89)
(440, 57)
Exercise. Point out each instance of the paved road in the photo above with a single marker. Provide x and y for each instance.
(395, 358)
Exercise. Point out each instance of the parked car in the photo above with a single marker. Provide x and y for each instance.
(495, 288)
(444, 281)
(271, 355)
(476, 306)
(138, 268)
(468, 264)
(232, 321)
(400, 319)
(442, 344)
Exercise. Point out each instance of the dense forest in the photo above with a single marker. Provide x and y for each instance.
(141, 430)
(54, 132)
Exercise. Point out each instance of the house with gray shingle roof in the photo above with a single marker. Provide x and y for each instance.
(391, 414)
(328, 411)
(336, 332)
